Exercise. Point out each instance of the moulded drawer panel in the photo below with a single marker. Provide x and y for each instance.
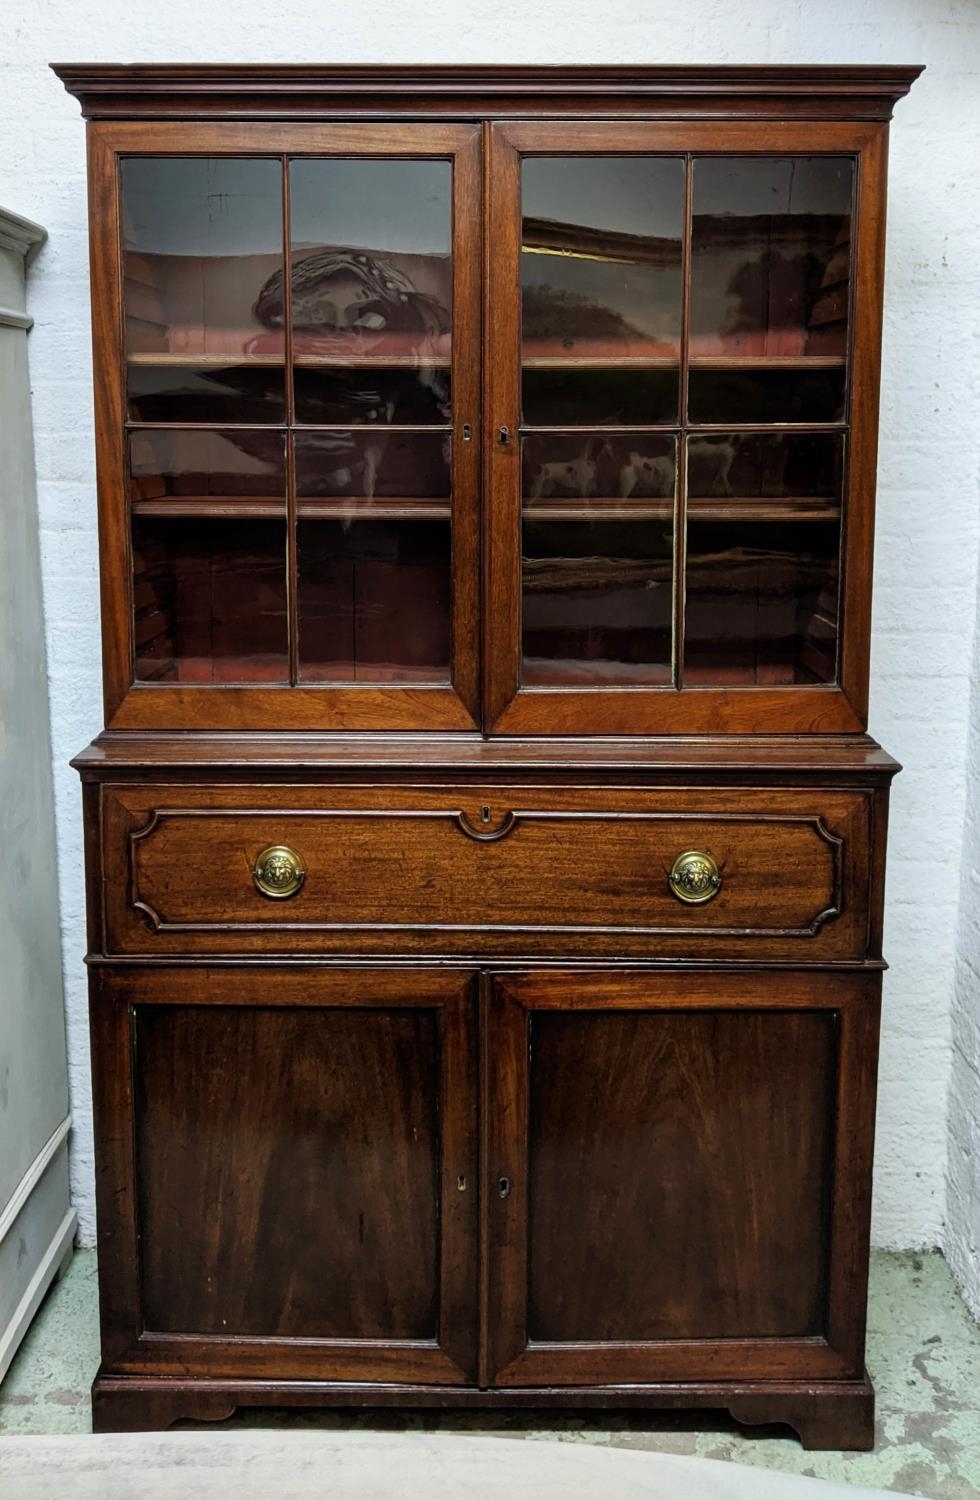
(495, 869)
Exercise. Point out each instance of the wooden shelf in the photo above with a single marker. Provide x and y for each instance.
(613, 508)
(767, 362)
(214, 507)
(263, 507)
(793, 509)
(599, 509)
(195, 361)
(545, 672)
(408, 507)
(362, 508)
(247, 670)
(300, 361)
(370, 362)
(696, 362)
(600, 362)
(358, 674)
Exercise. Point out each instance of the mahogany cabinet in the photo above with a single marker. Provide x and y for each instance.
(485, 847)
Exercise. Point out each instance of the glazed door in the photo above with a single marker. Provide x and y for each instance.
(288, 399)
(682, 391)
(287, 1173)
(678, 1172)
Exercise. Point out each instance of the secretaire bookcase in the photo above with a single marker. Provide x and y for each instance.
(485, 848)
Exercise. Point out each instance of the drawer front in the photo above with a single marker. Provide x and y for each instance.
(496, 869)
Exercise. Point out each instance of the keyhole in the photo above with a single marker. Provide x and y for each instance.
(484, 813)
(503, 1187)
(461, 1183)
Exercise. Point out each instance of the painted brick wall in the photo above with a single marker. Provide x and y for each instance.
(928, 528)
(962, 1239)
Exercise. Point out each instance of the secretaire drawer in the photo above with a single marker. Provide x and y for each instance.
(496, 869)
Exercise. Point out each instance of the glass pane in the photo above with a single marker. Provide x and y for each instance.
(597, 559)
(561, 471)
(762, 600)
(370, 300)
(371, 307)
(601, 256)
(371, 268)
(221, 393)
(799, 394)
(601, 326)
(373, 466)
(210, 600)
(759, 476)
(201, 236)
(584, 396)
(376, 395)
(374, 601)
(597, 602)
(195, 471)
(770, 255)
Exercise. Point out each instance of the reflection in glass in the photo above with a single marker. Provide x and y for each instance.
(601, 326)
(372, 465)
(370, 258)
(374, 601)
(762, 602)
(375, 396)
(175, 468)
(770, 256)
(216, 394)
(561, 467)
(209, 600)
(601, 257)
(795, 471)
(201, 236)
(597, 602)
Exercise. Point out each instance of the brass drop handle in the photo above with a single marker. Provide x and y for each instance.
(278, 871)
(694, 878)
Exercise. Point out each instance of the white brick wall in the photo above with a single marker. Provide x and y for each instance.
(928, 522)
(963, 1183)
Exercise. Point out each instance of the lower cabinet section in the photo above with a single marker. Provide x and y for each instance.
(669, 1196)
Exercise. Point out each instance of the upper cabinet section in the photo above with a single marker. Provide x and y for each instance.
(633, 346)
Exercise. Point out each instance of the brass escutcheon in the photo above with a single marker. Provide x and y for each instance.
(694, 877)
(278, 871)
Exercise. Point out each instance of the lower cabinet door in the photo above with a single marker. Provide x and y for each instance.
(678, 1176)
(287, 1172)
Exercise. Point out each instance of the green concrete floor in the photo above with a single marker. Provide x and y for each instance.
(923, 1354)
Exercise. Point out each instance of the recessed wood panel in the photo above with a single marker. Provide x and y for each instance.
(288, 1170)
(678, 1174)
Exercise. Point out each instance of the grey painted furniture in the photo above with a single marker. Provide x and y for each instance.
(37, 1225)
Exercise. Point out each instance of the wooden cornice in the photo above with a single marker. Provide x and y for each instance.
(314, 91)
